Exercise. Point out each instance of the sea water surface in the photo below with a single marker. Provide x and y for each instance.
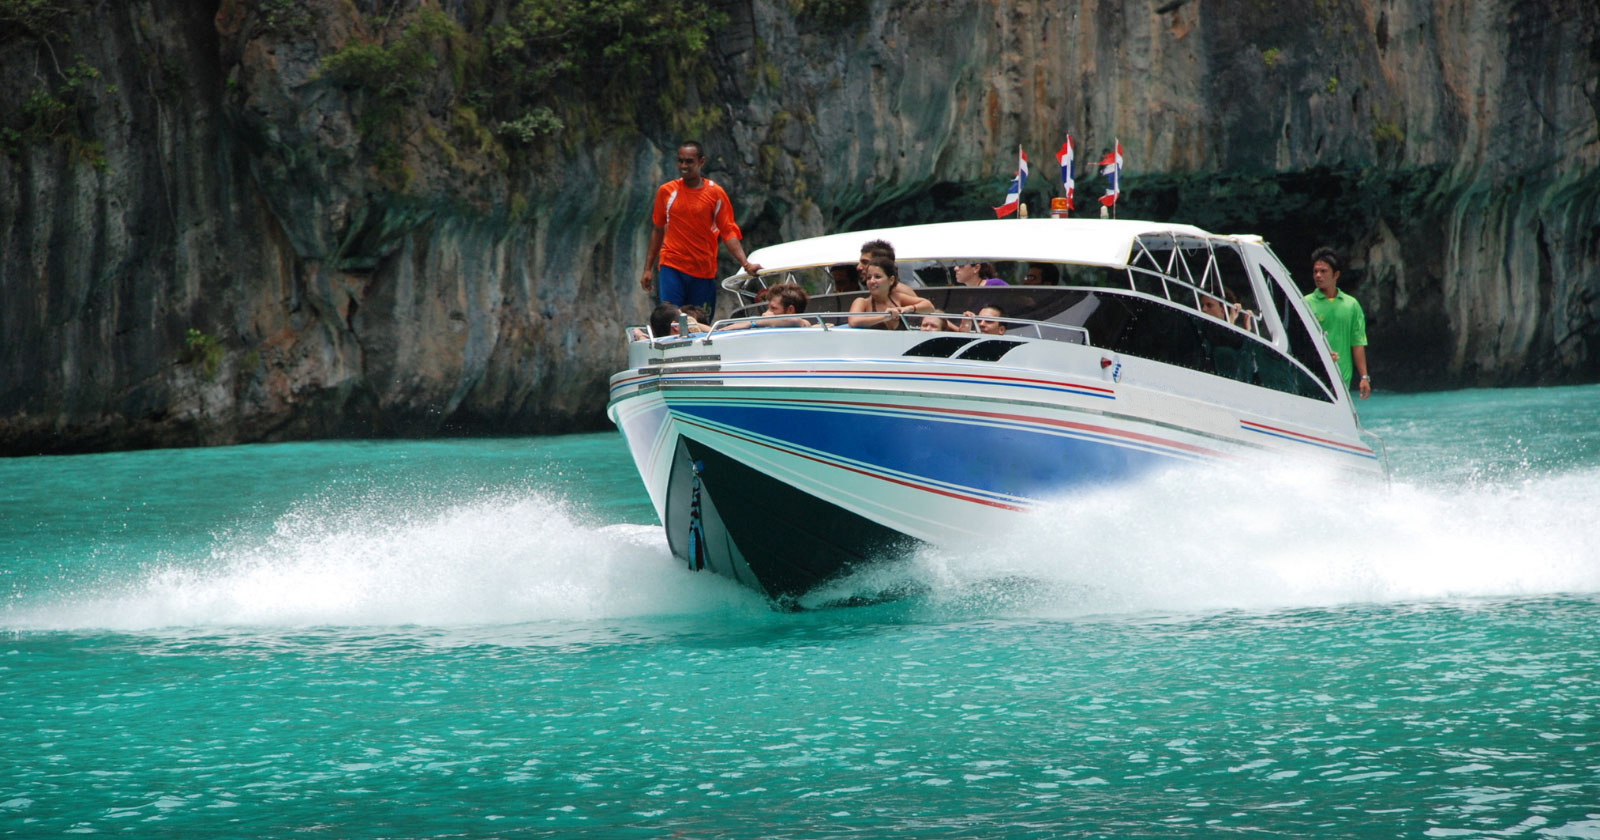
(489, 638)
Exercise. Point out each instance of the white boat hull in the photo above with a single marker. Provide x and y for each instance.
(783, 472)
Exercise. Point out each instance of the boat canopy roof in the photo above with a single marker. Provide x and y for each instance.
(1098, 242)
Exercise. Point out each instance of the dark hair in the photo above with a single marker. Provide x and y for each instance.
(878, 246)
(1049, 275)
(998, 312)
(699, 150)
(1329, 256)
(890, 270)
(850, 282)
(661, 320)
(696, 312)
(790, 295)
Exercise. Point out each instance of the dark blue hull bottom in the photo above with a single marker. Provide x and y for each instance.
(727, 518)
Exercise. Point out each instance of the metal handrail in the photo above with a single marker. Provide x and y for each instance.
(911, 321)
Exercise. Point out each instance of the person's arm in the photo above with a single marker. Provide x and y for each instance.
(731, 235)
(652, 256)
(909, 301)
(1358, 357)
(873, 319)
(736, 248)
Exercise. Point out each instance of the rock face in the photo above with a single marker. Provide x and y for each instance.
(204, 246)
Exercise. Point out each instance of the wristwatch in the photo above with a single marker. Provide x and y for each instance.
(1366, 379)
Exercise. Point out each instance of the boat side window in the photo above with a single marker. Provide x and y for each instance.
(1153, 256)
(1093, 276)
(1148, 282)
(924, 274)
(1195, 264)
(1238, 289)
(1178, 335)
(1164, 334)
(1302, 345)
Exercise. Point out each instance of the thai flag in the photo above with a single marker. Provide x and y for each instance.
(1014, 194)
(1064, 157)
(1111, 166)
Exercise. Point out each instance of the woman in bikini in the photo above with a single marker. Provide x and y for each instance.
(886, 298)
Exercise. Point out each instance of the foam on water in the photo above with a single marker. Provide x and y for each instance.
(1199, 539)
(497, 560)
(1186, 540)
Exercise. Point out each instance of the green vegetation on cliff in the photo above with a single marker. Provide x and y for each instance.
(49, 111)
(40, 18)
(543, 72)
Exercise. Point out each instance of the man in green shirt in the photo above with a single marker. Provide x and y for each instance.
(1343, 322)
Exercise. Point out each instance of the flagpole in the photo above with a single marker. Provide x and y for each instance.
(1111, 165)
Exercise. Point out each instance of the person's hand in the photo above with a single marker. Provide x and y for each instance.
(1335, 355)
(752, 269)
(646, 280)
(1366, 387)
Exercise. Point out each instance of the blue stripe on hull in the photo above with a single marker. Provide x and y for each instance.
(1005, 460)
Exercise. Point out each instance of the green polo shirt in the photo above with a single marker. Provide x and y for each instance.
(1344, 325)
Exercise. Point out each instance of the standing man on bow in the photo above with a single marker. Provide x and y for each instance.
(1343, 322)
(692, 214)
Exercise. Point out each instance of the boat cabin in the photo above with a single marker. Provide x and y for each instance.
(1171, 293)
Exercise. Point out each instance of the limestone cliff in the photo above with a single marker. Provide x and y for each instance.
(212, 231)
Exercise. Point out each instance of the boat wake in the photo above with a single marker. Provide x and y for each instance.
(1184, 541)
(1203, 540)
(495, 560)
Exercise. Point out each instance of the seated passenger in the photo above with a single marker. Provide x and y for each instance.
(846, 278)
(786, 299)
(697, 314)
(873, 248)
(978, 274)
(869, 249)
(1229, 311)
(1237, 314)
(782, 299)
(1041, 274)
(664, 322)
(986, 318)
(886, 298)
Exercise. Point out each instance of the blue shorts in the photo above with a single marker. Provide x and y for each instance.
(681, 289)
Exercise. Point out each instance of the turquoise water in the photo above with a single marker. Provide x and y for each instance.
(490, 639)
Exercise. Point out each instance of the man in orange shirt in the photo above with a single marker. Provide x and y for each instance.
(692, 214)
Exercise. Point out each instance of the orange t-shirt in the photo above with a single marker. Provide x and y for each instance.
(696, 221)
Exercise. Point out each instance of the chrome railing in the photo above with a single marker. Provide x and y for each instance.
(952, 324)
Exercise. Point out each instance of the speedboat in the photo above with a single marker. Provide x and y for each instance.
(787, 452)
